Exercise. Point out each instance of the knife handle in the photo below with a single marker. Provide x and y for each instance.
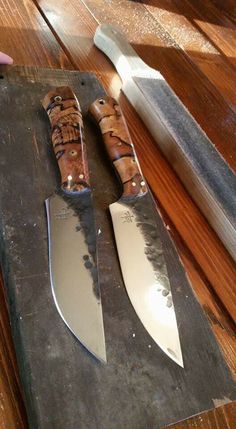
(65, 116)
(110, 119)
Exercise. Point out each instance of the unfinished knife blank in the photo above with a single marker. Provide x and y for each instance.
(199, 165)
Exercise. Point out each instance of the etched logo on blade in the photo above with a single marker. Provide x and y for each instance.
(62, 214)
(127, 217)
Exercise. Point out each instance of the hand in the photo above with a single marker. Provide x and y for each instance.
(5, 59)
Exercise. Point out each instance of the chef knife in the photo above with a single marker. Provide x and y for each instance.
(199, 165)
(71, 226)
(136, 226)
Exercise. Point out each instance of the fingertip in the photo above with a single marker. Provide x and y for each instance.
(5, 59)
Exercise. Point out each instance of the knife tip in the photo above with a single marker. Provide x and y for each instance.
(102, 357)
(176, 356)
(179, 361)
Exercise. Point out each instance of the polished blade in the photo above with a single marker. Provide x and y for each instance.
(145, 272)
(74, 280)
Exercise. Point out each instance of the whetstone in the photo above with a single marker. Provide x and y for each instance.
(205, 174)
(64, 386)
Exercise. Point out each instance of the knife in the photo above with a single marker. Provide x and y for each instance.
(71, 226)
(137, 233)
(199, 165)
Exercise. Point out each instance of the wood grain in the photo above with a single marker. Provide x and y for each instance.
(227, 8)
(64, 112)
(12, 410)
(220, 418)
(208, 179)
(26, 37)
(159, 50)
(106, 112)
(217, 22)
(222, 325)
(154, 49)
(138, 373)
(199, 46)
(214, 271)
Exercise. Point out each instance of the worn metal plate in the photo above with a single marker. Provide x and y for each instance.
(64, 386)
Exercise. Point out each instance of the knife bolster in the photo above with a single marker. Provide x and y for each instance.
(65, 116)
(109, 117)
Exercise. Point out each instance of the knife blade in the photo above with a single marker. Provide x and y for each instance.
(135, 223)
(71, 226)
(199, 165)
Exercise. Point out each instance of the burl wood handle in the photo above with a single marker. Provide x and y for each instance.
(65, 117)
(108, 115)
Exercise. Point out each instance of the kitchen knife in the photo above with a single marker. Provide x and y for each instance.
(71, 226)
(196, 160)
(135, 220)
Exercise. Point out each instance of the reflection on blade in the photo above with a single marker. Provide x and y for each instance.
(145, 273)
(72, 255)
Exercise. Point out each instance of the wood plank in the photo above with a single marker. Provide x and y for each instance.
(112, 81)
(221, 418)
(12, 409)
(220, 321)
(26, 37)
(195, 231)
(227, 8)
(218, 26)
(157, 49)
(136, 372)
(197, 45)
(200, 167)
(214, 19)
(78, 44)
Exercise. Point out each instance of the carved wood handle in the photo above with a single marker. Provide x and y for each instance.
(65, 117)
(108, 115)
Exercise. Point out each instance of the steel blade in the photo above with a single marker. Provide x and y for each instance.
(145, 271)
(74, 279)
(202, 169)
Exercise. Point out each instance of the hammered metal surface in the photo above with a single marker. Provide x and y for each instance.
(73, 271)
(65, 386)
(145, 272)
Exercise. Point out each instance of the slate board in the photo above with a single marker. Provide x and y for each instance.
(64, 386)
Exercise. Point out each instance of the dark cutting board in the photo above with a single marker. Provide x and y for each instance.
(64, 386)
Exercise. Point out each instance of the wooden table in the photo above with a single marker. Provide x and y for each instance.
(193, 44)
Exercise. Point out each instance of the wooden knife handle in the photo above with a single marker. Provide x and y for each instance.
(65, 117)
(108, 115)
